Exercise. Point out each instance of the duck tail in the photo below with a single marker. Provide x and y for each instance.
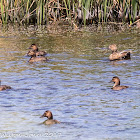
(126, 55)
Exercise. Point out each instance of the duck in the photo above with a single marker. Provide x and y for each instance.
(118, 55)
(4, 87)
(117, 86)
(50, 119)
(35, 58)
(36, 50)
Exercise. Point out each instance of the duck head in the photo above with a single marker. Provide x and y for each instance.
(113, 47)
(33, 47)
(47, 114)
(116, 80)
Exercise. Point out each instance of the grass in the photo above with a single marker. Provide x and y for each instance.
(77, 11)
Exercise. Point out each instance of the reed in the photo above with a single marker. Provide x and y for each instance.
(78, 11)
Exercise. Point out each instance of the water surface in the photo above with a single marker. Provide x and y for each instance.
(73, 84)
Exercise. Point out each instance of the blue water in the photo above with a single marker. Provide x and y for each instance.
(73, 84)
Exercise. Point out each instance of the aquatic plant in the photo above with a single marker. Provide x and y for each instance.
(74, 11)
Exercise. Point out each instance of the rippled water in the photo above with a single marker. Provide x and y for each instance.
(73, 84)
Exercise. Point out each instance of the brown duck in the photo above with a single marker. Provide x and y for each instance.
(50, 120)
(4, 87)
(36, 50)
(118, 55)
(117, 86)
(35, 58)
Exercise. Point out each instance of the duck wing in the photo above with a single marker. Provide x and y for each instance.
(115, 56)
(41, 53)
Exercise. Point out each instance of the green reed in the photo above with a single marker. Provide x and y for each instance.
(46, 11)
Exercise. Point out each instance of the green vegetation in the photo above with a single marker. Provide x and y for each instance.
(74, 11)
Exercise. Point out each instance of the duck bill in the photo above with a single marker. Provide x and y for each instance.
(42, 116)
(110, 81)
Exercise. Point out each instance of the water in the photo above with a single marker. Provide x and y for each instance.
(73, 84)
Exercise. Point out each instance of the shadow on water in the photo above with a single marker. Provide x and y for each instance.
(73, 84)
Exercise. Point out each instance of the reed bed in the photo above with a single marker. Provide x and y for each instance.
(74, 11)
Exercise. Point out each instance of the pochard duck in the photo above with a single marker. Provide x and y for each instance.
(50, 119)
(35, 49)
(117, 86)
(34, 58)
(4, 87)
(118, 55)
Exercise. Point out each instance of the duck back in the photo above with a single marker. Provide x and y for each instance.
(119, 87)
(4, 87)
(49, 122)
(37, 59)
(119, 55)
(115, 56)
(37, 53)
(41, 53)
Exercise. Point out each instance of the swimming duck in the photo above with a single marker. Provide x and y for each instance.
(50, 120)
(4, 87)
(36, 50)
(117, 86)
(118, 55)
(34, 58)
